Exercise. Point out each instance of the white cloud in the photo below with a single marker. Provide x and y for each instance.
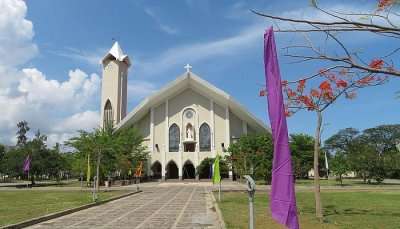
(166, 28)
(16, 34)
(45, 103)
(191, 53)
(93, 58)
(247, 38)
(75, 91)
(55, 107)
(80, 121)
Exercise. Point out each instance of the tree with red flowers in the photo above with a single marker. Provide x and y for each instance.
(345, 71)
(329, 86)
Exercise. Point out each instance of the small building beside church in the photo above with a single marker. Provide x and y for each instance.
(183, 123)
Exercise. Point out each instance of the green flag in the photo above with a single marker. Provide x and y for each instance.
(88, 169)
(216, 178)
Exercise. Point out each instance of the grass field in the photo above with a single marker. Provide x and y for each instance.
(346, 182)
(380, 210)
(16, 206)
(349, 182)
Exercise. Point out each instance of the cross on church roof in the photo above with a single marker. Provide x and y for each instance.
(188, 67)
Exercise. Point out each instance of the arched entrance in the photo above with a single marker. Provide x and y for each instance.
(156, 170)
(188, 170)
(172, 170)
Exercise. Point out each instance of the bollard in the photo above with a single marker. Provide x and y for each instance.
(251, 189)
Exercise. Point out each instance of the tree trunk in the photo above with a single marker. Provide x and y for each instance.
(98, 171)
(317, 189)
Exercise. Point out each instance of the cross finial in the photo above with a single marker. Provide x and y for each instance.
(188, 67)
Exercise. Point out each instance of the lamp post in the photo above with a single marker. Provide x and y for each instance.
(251, 189)
(94, 193)
(398, 145)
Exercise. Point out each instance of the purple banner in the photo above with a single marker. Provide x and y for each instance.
(282, 195)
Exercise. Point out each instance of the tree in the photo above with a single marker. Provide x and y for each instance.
(371, 153)
(340, 165)
(131, 147)
(345, 145)
(301, 147)
(2, 154)
(342, 141)
(336, 25)
(118, 149)
(12, 162)
(346, 71)
(381, 141)
(203, 169)
(45, 162)
(40, 155)
(23, 129)
(331, 86)
(252, 155)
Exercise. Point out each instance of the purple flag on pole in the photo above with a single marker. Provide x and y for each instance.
(27, 163)
(282, 195)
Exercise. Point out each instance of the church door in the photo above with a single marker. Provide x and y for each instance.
(172, 171)
(189, 171)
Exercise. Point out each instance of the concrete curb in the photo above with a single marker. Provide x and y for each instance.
(40, 219)
(219, 213)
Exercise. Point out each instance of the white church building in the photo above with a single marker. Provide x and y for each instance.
(183, 123)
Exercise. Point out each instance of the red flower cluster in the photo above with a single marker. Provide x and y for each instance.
(308, 102)
(287, 112)
(382, 4)
(301, 86)
(263, 92)
(326, 90)
(366, 80)
(315, 93)
(376, 64)
(341, 83)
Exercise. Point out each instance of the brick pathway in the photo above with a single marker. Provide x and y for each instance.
(161, 206)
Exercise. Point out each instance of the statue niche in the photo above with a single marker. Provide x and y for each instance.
(189, 144)
(189, 132)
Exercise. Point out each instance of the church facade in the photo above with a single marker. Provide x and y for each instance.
(183, 123)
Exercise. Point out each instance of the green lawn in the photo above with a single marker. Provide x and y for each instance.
(380, 210)
(16, 206)
(346, 182)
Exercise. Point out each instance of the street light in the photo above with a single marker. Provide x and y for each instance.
(398, 145)
(251, 189)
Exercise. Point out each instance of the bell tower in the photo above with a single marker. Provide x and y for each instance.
(114, 85)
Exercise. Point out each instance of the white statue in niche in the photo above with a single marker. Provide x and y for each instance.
(189, 132)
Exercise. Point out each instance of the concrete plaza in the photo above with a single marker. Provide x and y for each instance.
(165, 205)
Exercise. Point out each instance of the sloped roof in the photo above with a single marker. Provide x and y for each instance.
(194, 82)
(117, 53)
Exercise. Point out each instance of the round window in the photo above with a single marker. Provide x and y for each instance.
(189, 114)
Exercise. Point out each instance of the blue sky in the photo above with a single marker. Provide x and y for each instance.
(58, 55)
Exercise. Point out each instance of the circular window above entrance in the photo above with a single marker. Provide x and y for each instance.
(189, 114)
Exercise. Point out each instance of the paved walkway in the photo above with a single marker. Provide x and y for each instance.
(160, 206)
